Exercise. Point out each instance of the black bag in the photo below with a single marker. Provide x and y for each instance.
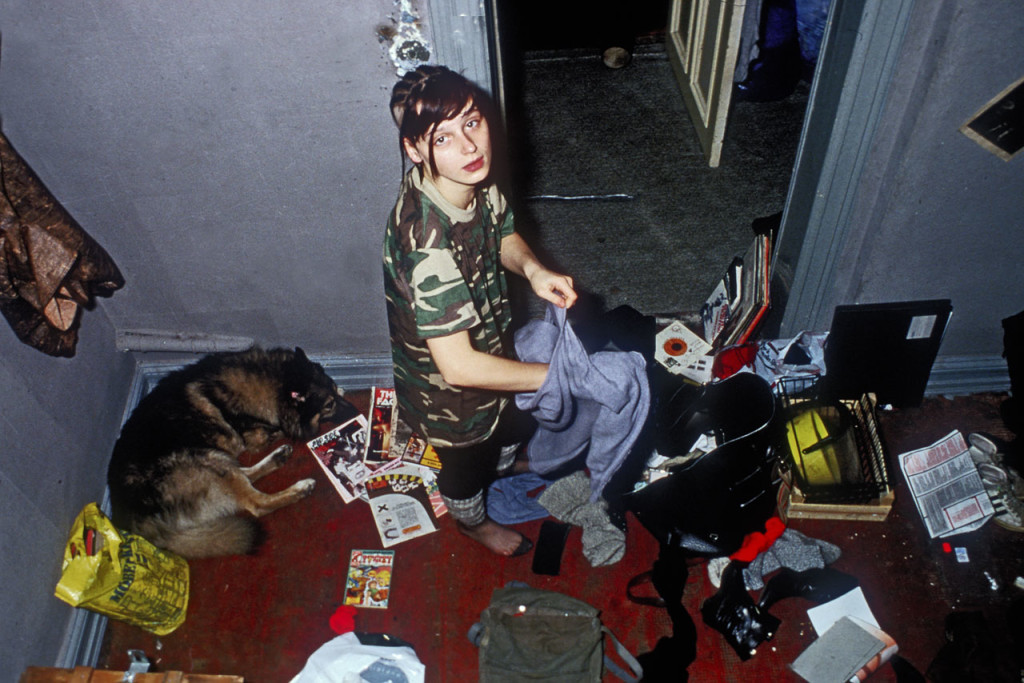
(707, 505)
(529, 634)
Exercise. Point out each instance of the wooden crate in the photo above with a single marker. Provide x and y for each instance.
(875, 505)
(793, 505)
(87, 674)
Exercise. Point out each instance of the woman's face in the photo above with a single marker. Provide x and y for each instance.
(461, 152)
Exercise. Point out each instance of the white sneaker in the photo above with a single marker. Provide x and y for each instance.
(983, 449)
(984, 452)
(1009, 509)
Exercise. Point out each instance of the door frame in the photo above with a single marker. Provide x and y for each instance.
(703, 42)
(858, 59)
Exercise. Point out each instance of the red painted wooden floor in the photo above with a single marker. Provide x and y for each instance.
(262, 616)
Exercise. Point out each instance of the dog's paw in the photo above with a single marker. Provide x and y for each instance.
(305, 487)
(281, 454)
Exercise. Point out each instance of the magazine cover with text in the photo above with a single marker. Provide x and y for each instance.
(380, 418)
(339, 453)
(400, 504)
(368, 583)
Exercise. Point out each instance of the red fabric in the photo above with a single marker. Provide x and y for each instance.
(732, 359)
(756, 543)
(343, 620)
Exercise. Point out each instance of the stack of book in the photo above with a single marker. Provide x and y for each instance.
(740, 300)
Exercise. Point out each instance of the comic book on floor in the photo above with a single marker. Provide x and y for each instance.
(409, 446)
(380, 420)
(368, 583)
(339, 452)
(400, 503)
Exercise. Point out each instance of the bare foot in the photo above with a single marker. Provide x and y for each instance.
(495, 537)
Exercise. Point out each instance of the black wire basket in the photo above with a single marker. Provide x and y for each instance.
(863, 477)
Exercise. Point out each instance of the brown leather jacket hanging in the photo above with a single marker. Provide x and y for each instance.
(50, 269)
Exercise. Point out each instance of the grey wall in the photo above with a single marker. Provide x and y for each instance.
(58, 420)
(941, 216)
(911, 209)
(237, 160)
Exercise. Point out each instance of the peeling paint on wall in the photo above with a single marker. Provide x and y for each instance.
(404, 38)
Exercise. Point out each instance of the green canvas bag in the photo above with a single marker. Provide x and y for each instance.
(529, 634)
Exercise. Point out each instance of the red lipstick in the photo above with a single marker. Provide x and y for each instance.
(474, 166)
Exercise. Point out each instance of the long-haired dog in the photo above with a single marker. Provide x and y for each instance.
(175, 477)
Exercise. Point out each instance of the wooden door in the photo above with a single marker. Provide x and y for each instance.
(703, 41)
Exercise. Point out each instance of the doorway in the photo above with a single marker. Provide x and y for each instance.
(859, 56)
(614, 186)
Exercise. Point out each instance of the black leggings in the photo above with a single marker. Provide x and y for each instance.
(468, 470)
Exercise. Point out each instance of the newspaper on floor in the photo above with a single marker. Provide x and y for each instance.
(946, 486)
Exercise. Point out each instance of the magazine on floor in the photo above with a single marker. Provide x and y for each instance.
(368, 582)
(339, 452)
(418, 452)
(380, 419)
(400, 503)
(409, 446)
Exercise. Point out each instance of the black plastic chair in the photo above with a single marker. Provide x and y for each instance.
(707, 505)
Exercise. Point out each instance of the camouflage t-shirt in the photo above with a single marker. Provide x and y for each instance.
(443, 274)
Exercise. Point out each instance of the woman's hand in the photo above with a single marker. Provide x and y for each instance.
(553, 287)
(517, 257)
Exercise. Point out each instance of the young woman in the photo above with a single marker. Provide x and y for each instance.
(449, 242)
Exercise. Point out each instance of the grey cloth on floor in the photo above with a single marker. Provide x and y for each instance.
(793, 550)
(568, 500)
(595, 403)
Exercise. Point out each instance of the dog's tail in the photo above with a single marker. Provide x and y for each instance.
(230, 535)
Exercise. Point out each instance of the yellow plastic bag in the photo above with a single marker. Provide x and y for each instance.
(122, 575)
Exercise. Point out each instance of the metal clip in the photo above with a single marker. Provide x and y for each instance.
(138, 664)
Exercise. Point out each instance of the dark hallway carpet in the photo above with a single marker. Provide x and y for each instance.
(613, 188)
(261, 616)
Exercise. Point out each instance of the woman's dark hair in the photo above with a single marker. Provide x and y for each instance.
(428, 95)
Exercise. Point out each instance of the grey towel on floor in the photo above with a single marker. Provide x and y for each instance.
(568, 500)
(595, 403)
(793, 550)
